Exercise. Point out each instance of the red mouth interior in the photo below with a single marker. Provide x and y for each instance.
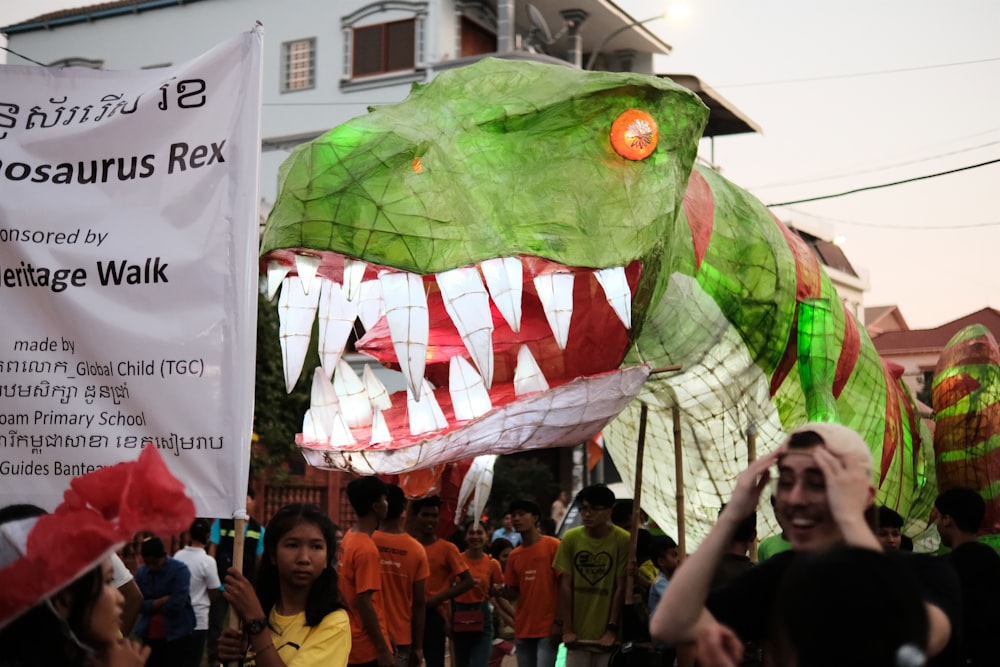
(597, 341)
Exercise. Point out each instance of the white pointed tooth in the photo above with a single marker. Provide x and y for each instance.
(296, 312)
(505, 281)
(354, 403)
(312, 428)
(380, 430)
(476, 487)
(323, 401)
(555, 291)
(340, 435)
(469, 397)
(406, 312)
(371, 306)
(378, 395)
(354, 271)
(617, 291)
(276, 272)
(483, 470)
(468, 306)
(336, 320)
(528, 377)
(307, 266)
(425, 414)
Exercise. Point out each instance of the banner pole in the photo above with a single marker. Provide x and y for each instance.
(239, 528)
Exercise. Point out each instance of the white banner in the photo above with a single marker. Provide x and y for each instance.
(128, 272)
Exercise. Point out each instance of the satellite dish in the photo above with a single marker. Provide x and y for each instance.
(539, 23)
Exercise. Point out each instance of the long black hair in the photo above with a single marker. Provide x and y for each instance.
(324, 595)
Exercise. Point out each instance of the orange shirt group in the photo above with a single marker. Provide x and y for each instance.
(390, 563)
(403, 562)
(530, 570)
(485, 573)
(360, 572)
(445, 563)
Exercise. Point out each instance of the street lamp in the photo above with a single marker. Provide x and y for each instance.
(614, 33)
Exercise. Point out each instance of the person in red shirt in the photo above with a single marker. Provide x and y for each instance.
(404, 574)
(361, 576)
(474, 643)
(532, 581)
(446, 565)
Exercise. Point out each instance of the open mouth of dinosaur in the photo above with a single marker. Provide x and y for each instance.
(506, 355)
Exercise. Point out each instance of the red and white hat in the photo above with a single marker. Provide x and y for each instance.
(100, 512)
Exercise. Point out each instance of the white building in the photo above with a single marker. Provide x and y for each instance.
(328, 61)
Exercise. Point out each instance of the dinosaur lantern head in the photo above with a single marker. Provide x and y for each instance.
(501, 235)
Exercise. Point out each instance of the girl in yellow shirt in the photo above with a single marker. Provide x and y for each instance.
(307, 624)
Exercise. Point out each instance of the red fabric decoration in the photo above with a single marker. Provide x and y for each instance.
(100, 511)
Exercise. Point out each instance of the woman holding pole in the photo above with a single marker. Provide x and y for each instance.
(306, 622)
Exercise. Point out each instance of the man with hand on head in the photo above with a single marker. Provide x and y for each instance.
(824, 498)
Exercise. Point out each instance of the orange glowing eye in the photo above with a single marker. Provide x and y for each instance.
(634, 135)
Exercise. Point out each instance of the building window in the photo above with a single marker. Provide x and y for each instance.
(384, 47)
(476, 40)
(298, 66)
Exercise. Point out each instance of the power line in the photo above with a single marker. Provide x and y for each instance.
(894, 165)
(908, 228)
(23, 56)
(857, 75)
(885, 185)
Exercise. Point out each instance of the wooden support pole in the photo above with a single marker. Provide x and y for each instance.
(675, 414)
(751, 457)
(632, 565)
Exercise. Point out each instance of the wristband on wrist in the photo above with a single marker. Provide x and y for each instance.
(612, 627)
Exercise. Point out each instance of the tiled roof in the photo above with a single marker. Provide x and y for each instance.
(874, 313)
(898, 342)
(89, 13)
(830, 254)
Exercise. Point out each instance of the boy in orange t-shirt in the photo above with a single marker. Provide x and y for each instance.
(446, 565)
(361, 576)
(534, 583)
(404, 575)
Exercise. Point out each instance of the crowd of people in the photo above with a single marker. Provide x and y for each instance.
(839, 585)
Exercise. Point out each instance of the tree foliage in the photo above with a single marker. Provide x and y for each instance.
(277, 414)
(519, 477)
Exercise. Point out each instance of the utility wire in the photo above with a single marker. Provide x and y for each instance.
(885, 185)
(908, 228)
(859, 172)
(856, 75)
(23, 56)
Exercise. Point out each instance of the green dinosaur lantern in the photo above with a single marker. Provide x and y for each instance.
(525, 242)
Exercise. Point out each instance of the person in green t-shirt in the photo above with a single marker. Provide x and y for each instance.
(591, 561)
